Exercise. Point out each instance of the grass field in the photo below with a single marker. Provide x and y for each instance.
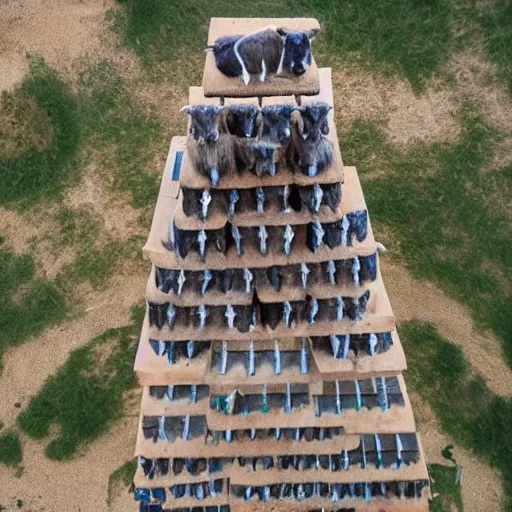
(81, 152)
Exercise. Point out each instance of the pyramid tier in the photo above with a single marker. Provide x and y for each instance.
(291, 365)
(191, 178)
(389, 362)
(333, 440)
(191, 293)
(355, 465)
(188, 214)
(196, 95)
(357, 413)
(397, 418)
(263, 370)
(246, 399)
(329, 211)
(206, 493)
(161, 256)
(216, 83)
(326, 505)
(274, 214)
(200, 367)
(247, 477)
(194, 399)
(275, 284)
(375, 311)
(262, 242)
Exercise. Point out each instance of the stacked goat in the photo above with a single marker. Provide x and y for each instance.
(267, 51)
(224, 138)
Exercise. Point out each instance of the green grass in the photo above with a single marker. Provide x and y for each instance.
(125, 137)
(406, 37)
(447, 216)
(123, 475)
(402, 36)
(37, 174)
(85, 396)
(28, 304)
(101, 118)
(11, 451)
(448, 488)
(95, 262)
(467, 409)
(496, 23)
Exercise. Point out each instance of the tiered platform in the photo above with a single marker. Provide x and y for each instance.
(271, 381)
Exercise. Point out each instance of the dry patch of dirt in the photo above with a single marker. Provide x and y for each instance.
(30, 233)
(58, 30)
(120, 220)
(407, 118)
(21, 231)
(481, 485)
(502, 156)
(84, 480)
(472, 74)
(414, 299)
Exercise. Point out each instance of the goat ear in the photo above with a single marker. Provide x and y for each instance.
(282, 32)
(313, 33)
(186, 109)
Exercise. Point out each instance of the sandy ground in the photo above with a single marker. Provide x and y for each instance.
(58, 30)
(413, 299)
(481, 487)
(65, 30)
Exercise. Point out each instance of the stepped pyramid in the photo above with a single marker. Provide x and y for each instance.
(271, 374)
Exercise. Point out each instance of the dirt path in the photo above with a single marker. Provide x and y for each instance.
(81, 483)
(413, 299)
(481, 486)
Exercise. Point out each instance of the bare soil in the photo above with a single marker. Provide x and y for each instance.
(413, 299)
(480, 485)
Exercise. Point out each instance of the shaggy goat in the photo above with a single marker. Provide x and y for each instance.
(210, 147)
(311, 151)
(262, 52)
(276, 122)
(321, 194)
(241, 120)
(266, 159)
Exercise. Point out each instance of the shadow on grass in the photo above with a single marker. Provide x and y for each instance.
(85, 396)
(467, 409)
(447, 215)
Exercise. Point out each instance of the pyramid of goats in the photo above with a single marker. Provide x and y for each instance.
(269, 360)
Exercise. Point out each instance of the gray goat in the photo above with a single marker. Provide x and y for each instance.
(311, 151)
(269, 50)
(210, 146)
